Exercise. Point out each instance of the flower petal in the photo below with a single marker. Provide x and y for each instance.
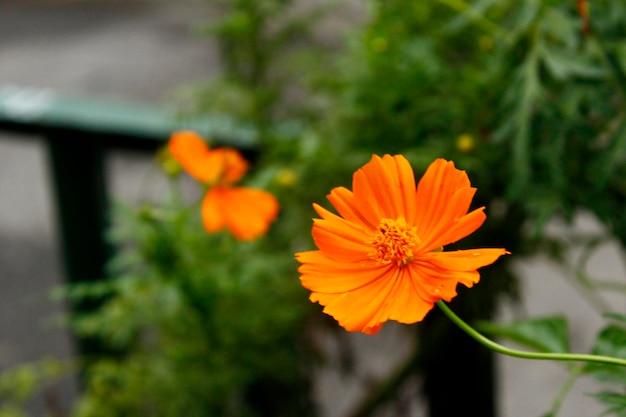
(194, 155)
(440, 284)
(321, 274)
(246, 212)
(358, 310)
(392, 296)
(463, 260)
(235, 166)
(385, 188)
(340, 239)
(408, 303)
(440, 272)
(212, 212)
(443, 194)
(434, 285)
(342, 200)
(459, 229)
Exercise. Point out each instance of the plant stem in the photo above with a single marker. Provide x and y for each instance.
(569, 383)
(496, 347)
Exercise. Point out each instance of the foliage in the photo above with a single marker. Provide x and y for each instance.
(265, 49)
(194, 324)
(19, 384)
(548, 334)
(551, 335)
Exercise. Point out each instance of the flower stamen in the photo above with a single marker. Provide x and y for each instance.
(394, 241)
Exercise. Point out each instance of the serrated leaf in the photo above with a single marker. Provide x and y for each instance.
(548, 334)
(615, 401)
(610, 342)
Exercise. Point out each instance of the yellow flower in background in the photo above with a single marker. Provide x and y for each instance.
(381, 258)
(286, 178)
(246, 212)
(465, 143)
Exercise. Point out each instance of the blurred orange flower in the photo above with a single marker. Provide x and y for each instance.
(583, 11)
(245, 212)
(382, 257)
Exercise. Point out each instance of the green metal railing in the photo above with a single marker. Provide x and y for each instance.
(78, 134)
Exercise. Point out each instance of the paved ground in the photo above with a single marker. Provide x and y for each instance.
(142, 51)
(136, 51)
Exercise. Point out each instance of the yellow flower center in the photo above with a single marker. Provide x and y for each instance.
(394, 241)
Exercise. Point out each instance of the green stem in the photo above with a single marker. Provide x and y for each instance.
(523, 354)
(569, 383)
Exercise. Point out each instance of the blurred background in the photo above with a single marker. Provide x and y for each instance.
(156, 52)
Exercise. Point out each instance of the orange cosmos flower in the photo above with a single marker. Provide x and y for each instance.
(245, 212)
(381, 258)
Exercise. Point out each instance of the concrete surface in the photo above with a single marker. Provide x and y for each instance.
(138, 51)
(142, 51)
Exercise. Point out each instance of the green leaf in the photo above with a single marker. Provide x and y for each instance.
(610, 342)
(563, 65)
(615, 401)
(616, 316)
(548, 334)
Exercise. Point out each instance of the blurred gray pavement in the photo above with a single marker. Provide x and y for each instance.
(142, 51)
